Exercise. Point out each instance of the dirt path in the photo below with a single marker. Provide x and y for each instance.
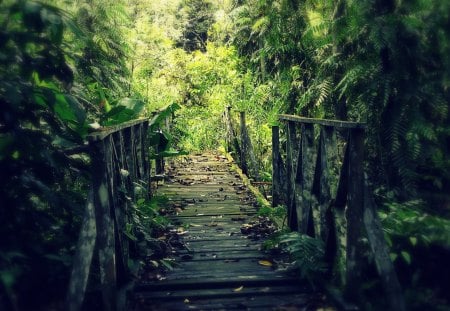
(219, 262)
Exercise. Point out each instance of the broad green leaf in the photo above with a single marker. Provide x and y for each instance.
(133, 104)
(406, 256)
(77, 109)
(63, 109)
(162, 115)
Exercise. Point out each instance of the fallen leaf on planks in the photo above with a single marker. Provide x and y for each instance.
(265, 263)
(238, 289)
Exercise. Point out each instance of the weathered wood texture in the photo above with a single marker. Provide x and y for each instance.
(82, 259)
(316, 195)
(218, 268)
(248, 160)
(231, 139)
(276, 176)
(381, 253)
(240, 148)
(120, 168)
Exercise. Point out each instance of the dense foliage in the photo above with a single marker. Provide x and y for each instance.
(68, 64)
(57, 75)
(381, 62)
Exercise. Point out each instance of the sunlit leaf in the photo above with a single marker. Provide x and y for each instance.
(265, 263)
(406, 256)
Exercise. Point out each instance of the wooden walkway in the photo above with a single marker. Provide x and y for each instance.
(219, 266)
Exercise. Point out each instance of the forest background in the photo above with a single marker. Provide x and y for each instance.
(70, 66)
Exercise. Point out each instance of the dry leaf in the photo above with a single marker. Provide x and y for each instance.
(265, 263)
(238, 289)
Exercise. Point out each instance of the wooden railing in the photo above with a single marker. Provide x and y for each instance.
(120, 167)
(240, 144)
(316, 195)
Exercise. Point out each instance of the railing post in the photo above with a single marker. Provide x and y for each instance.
(105, 225)
(304, 180)
(355, 208)
(233, 141)
(380, 250)
(244, 146)
(145, 157)
(290, 176)
(321, 184)
(82, 258)
(276, 178)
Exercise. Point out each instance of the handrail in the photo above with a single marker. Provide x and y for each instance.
(333, 123)
(119, 160)
(102, 133)
(312, 204)
(240, 145)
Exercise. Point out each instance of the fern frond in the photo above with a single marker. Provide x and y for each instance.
(324, 89)
(307, 252)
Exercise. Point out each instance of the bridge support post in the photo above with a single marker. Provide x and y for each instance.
(244, 146)
(355, 211)
(292, 218)
(276, 176)
(104, 223)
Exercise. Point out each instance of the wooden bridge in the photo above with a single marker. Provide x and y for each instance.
(218, 239)
(320, 181)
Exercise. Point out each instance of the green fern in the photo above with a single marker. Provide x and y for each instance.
(307, 254)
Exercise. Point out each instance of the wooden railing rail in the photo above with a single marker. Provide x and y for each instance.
(317, 191)
(120, 168)
(240, 145)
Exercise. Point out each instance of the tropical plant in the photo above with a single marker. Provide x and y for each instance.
(42, 186)
(307, 255)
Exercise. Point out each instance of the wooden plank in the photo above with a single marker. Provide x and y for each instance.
(223, 293)
(334, 123)
(219, 282)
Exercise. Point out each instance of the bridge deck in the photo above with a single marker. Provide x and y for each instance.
(218, 265)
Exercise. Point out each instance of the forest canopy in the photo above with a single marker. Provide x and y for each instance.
(69, 67)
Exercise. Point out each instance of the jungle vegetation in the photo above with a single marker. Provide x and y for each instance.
(67, 67)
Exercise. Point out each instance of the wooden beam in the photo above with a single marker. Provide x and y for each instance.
(355, 208)
(321, 184)
(276, 176)
(104, 132)
(342, 188)
(304, 180)
(244, 145)
(380, 250)
(104, 223)
(334, 123)
(290, 177)
(82, 259)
